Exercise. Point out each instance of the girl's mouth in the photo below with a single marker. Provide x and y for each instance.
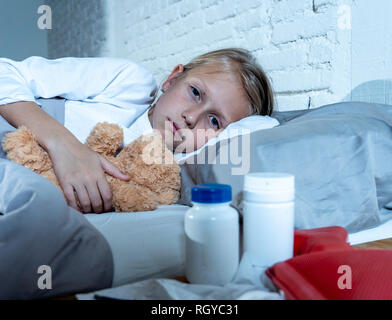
(175, 127)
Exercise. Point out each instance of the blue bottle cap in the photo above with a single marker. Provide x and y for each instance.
(211, 193)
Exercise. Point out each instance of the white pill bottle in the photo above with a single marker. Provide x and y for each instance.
(212, 236)
(268, 217)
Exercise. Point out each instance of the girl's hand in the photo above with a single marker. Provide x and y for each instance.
(82, 170)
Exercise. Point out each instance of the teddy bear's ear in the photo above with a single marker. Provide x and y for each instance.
(105, 138)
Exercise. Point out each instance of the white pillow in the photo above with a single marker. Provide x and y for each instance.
(240, 127)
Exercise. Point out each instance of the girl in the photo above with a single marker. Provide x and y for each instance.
(198, 101)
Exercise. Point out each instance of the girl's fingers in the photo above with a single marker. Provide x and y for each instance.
(95, 197)
(106, 193)
(112, 169)
(70, 196)
(83, 197)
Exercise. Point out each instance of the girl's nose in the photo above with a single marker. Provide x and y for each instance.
(191, 117)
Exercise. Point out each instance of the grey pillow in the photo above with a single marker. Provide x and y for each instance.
(340, 156)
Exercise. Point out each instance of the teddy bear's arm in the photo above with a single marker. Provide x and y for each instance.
(22, 148)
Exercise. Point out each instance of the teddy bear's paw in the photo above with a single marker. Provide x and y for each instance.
(139, 207)
(17, 139)
(169, 196)
(131, 197)
(105, 138)
(22, 148)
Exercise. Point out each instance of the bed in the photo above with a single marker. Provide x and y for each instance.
(340, 155)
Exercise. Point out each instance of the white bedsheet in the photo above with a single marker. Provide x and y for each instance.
(383, 231)
(146, 244)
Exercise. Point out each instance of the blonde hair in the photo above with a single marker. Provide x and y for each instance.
(240, 62)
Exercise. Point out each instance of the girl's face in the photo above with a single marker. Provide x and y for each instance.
(197, 107)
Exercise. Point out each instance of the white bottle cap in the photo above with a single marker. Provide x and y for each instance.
(269, 186)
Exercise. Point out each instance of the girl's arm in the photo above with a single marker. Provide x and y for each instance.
(76, 166)
(119, 82)
(108, 80)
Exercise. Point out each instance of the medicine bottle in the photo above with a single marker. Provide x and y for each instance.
(268, 217)
(212, 236)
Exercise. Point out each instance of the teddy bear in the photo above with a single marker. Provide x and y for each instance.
(154, 171)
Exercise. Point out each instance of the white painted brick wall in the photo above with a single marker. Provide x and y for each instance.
(298, 42)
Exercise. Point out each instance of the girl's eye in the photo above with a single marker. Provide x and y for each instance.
(214, 121)
(195, 92)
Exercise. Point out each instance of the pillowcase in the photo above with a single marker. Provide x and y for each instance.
(240, 127)
(339, 154)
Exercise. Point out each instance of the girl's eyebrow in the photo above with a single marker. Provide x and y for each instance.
(206, 93)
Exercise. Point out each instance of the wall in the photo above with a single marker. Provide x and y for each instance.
(295, 41)
(20, 36)
(312, 50)
(371, 76)
(79, 28)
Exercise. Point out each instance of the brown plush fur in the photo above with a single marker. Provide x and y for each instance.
(154, 172)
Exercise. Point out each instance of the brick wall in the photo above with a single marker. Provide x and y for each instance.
(298, 42)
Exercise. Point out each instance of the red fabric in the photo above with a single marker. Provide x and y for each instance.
(324, 263)
(321, 239)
